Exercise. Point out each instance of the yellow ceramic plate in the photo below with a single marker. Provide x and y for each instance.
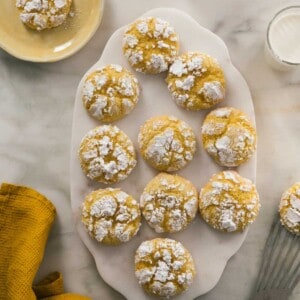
(52, 44)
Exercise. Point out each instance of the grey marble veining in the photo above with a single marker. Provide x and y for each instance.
(35, 130)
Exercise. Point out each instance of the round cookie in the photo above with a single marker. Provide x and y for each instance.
(150, 45)
(229, 202)
(111, 216)
(196, 81)
(107, 154)
(164, 267)
(289, 209)
(39, 15)
(169, 203)
(110, 93)
(167, 143)
(228, 136)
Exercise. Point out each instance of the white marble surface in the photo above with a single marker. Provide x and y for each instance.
(35, 129)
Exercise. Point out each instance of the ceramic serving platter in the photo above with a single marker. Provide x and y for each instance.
(210, 249)
(52, 44)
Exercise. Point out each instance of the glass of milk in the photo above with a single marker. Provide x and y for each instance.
(282, 46)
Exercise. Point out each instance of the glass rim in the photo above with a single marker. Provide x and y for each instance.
(268, 34)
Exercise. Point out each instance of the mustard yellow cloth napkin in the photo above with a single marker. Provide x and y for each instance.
(25, 221)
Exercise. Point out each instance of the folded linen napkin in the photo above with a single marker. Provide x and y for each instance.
(26, 218)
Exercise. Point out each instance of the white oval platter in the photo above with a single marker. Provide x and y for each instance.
(211, 249)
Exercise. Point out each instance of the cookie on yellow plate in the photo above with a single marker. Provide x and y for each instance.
(111, 216)
(150, 45)
(229, 202)
(196, 81)
(107, 154)
(228, 136)
(167, 143)
(164, 267)
(39, 15)
(290, 209)
(169, 203)
(110, 93)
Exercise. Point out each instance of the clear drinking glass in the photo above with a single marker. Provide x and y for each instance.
(282, 47)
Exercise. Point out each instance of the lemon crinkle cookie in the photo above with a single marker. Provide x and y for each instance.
(196, 81)
(290, 209)
(164, 267)
(107, 154)
(228, 136)
(169, 203)
(43, 14)
(150, 45)
(110, 93)
(229, 202)
(167, 143)
(111, 216)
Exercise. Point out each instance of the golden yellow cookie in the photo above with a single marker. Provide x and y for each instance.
(167, 143)
(106, 154)
(229, 202)
(110, 93)
(164, 267)
(169, 203)
(111, 216)
(196, 81)
(43, 14)
(290, 209)
(228, 136)
(150, 45)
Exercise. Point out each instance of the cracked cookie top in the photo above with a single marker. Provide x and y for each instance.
(196, 81)
(107, 154)
(228, 136)
(111, 216)
(164, 267)
(150, 45)
(110, 93)
(169, 203)
(43, 14)
(290, 209)
(167, 143)
(229, 202)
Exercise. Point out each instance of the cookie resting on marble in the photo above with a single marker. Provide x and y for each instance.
(150, 45)
(43, 14)
(110, 93)
(111, 216)
(167, 143)
(228, 136)
(196, 81)
(229, 202)
(164, 267)
(107, 154)
(289, 209)
(169, 203)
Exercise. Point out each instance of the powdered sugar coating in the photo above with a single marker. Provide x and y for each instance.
(43, 14)
(167, 143)
(289, 209)
(229, 202)
(164, 267)
(196, 81)
(107, 154)
(150, 45)
(169, 203)
(228, 136)
(110, 93)
(212, 90)
(111, 216)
